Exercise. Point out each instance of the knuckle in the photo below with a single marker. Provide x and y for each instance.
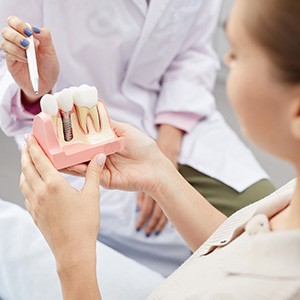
(52, 185)
(155, 218)
(47, 34)
(3, 45)
(14, 21)
(33, 153)
(142, 218)
(4, 32)
(157, 213)
(144, 214)
(39, 197)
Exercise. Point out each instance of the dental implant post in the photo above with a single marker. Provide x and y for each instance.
(67, 125)
(65, 103)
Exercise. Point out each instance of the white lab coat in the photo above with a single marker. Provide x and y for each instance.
(146, 63)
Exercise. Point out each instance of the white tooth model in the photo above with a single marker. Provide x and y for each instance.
(86, 99)
(49, 106)
(65, 103)
(71, 136)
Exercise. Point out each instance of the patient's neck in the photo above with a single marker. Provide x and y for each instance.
(289, 217)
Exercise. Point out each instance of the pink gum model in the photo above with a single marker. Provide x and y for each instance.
(83, 147)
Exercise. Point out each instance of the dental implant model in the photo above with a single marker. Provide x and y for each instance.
(65, 103)
(74, 126)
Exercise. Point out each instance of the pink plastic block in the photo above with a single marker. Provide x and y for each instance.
(61, 154)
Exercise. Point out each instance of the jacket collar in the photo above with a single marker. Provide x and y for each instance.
(235, 225)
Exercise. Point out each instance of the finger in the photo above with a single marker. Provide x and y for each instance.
(12, 59)
(43, 39)
(31, 175)
(140, 200)
(19, 25)
(145, 212)
(10, 48)
(161, 224)
(118, 127)
(25, 188)
(28, 206)
(41, 162)
(93, 172)
(154, 219)
(78, 170)
(14, 37)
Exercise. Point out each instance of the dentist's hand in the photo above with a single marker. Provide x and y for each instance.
(14, 45)
(151, 215)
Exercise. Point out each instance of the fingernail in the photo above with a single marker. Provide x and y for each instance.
(148, 234)
(137, 209)
(101, 159)
(24, 43)
(35, 29)
(26, 137)
(28, 32)
(157, 232)
(138, 229)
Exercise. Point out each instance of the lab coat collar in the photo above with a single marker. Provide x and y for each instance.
(152, 15)
(155, 10)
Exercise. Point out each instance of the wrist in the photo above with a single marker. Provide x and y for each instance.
(29, 100)
(71, 256)
(79, 280)
(163, 177)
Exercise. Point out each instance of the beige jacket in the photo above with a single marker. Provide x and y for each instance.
(242, 259)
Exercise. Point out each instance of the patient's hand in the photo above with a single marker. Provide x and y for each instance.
(68, 218)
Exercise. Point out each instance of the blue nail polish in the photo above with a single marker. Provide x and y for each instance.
(35, 29)
(148, 234)
(137, 209)
(138, 229)
(157, 232)
(28, 32)
(24, 43)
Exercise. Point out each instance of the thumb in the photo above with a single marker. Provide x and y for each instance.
(93, 172)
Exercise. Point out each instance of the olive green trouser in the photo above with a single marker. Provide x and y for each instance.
(220, 195)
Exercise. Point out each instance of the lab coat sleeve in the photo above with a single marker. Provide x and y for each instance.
(14, 119)
(186, 90)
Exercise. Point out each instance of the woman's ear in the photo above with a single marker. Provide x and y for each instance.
(295, 118)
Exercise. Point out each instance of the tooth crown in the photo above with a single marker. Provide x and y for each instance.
(65, 100)
(49, 105)
(86, 96)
